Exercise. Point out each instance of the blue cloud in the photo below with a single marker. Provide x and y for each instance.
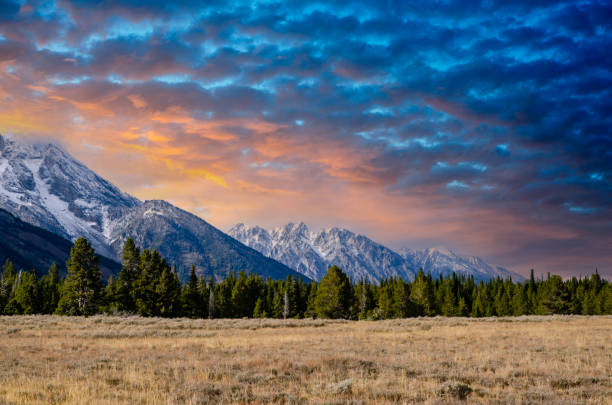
(508, 102)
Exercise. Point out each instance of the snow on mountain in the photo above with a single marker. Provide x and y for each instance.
(186, 239)
(311, 253)
(444, 261)
(44, 186)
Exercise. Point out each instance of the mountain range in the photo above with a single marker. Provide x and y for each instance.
(45, 187)
(311, 253)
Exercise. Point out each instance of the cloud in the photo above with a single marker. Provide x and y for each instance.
(484, 127)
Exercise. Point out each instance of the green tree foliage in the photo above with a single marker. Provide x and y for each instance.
(553, 297)
(50, 290)
(168, 295)
(127, 276)
(147, 285)
(7, 284)
(422, 294)
(26, 297)
(193, 302)
(81, 292)
(334, 295)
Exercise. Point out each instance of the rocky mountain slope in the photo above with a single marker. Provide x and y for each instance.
(31, 247)
(43, 185)
(445, 261)
(311, 253)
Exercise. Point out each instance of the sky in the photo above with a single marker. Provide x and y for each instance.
(484, 127)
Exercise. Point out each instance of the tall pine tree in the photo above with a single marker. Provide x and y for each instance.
(82, 289)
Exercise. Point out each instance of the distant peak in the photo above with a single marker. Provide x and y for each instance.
(443, 250)
(296, 227)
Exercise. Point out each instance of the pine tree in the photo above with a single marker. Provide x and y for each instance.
(110, 304)
(285, 304)
(25, 299)
(224, 306)
(400, 299)
(259, 311)
(7, 283)
(49, 289)
(421, 294)
(211, 298)
(520, 300)
(310, 307)
(462, 307)
(144, 286)
(554, 297)
(334, 295)
(449, 302)
(168, 291)
(127, 276)
(192, 301)
(478, 306)
(82, 289)
(277, 304)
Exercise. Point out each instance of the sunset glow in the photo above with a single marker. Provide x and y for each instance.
(487, 130)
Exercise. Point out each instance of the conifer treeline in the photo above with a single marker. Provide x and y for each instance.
(147, 285)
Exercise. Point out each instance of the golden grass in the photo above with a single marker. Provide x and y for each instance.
(121, 360)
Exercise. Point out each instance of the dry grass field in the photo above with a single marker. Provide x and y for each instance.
(121, 360)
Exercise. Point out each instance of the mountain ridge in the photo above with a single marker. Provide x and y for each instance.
(312, 252)
(45, 186)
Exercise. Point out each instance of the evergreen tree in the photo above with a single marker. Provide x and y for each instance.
(259, 311)
(25, 299)
(463, 308)
(168, 291)
(211, 298)
(285, 304)
(553, 297)
(224, 306)
(478, 307)
(449, 301)
(127, 276)
(82, 289)
(192, 301)
(49, 289)
(145, 286)
(7, 284)
(520, 300)
(401, 307)
(278, 304)
(421, 294)
(334, 295)
(110, 304)
(204, 295)
(310, 307)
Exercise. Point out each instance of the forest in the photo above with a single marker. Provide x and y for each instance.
(148, 285)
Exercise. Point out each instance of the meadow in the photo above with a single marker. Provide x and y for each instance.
(136, 360)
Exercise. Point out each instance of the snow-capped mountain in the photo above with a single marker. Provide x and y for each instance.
(186, 239)
(445, 261)
(311, 253)
(43, 185)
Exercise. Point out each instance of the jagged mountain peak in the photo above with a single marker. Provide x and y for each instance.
(42, 184)
(311, 253)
